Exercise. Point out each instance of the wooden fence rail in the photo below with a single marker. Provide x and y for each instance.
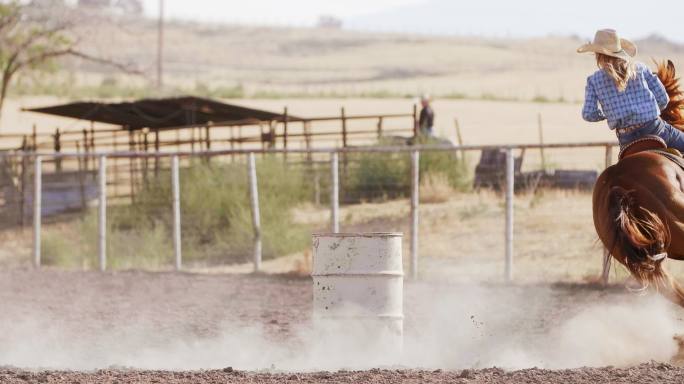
(279, 132)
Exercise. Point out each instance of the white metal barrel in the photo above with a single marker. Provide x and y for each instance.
(358, 282)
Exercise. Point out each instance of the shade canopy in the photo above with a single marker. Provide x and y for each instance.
(160, 113)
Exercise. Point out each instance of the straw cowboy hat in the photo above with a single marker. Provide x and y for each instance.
(607, 42)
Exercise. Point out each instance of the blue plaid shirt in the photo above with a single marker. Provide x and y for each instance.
(639, 103)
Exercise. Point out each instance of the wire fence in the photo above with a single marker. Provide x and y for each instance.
(245, 209)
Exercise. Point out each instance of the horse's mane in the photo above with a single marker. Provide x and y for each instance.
(674, 112)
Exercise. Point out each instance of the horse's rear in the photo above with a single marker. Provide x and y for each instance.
(639, 204)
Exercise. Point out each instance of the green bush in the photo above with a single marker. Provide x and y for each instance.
(381, 176)
(377, 176)
(72, 245)
(447, 163)
(216, 221)
(146, 245)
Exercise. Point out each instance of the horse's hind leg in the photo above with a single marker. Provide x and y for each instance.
(667, 286)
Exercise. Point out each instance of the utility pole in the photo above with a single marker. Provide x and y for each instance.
(160, 45)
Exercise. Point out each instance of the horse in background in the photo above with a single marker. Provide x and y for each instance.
(638, 205)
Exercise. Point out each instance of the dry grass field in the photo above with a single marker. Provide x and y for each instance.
(490, 85)
(320, 61)
(461, 239)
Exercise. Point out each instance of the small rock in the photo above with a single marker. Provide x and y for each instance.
(228, 369)
(466, 374)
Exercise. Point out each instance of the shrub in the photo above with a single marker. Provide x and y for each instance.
(446, 163)
(376, 176)
(216, 221)
(435, 188)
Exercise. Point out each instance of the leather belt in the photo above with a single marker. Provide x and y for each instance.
(626, 130)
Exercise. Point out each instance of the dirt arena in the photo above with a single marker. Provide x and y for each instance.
(177, 327)
(645, 373)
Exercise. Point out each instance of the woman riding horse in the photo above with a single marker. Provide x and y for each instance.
(631, 97)
(638, 203)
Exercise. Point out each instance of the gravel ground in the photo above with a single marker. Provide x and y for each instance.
(644, 373)
(78, 327)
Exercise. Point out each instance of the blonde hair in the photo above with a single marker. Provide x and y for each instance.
(620, 70)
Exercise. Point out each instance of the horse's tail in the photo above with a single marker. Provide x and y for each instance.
(674, 112)
(641, 238)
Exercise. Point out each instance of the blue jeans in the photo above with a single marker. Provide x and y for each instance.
(672, 136)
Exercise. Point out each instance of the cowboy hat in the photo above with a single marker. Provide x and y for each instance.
(607, 42)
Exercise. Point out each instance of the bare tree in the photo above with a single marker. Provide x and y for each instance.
(33, 40)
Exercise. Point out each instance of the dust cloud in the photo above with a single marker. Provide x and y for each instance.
(515, 332)
(446, 329)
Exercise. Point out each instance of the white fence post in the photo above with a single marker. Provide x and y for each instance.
(334, 193)
(102, 217)
(256, 219)
(415, 187)
(37, 207)
(510, 181)
(175, 185)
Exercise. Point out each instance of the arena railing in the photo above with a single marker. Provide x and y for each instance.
(334, 153)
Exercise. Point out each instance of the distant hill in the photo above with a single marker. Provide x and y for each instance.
(659, 44)
(225, 61)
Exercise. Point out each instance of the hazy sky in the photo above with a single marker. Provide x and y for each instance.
(480, 17)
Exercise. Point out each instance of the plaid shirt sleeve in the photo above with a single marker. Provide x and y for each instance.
(591, 111)
(658, 89)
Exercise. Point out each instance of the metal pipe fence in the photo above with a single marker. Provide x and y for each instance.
(510, 188)
(608, 145)
(102, 212)
(254, 202)
(175, 180)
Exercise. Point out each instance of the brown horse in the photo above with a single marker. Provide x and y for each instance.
(639, 206)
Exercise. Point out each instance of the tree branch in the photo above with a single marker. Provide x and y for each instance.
(37, 36)
(72, 52)
(21, 48)
(127, 68)
(39, 59)
(9, 20)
